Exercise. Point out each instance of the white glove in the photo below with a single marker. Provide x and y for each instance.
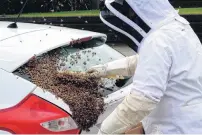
(128, 114)
(121, 67)
(99, 70)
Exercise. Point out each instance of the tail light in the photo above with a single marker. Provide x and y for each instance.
(37, 116)
(58, 125)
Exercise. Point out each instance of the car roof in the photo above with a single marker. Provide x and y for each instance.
(22, 29)
(17, 46)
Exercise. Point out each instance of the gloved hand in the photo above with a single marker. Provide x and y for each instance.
(99, 70)
(121, 67)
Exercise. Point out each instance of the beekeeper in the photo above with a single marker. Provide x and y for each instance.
(166, 96)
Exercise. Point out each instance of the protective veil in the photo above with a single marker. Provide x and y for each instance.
(168, 70)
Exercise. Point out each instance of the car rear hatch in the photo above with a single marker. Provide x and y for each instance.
(27, 42)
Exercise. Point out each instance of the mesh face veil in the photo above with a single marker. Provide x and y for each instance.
(132, 18)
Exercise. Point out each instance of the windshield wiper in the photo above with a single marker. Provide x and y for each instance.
(14, 25)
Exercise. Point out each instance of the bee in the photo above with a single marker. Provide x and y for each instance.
(93, 54)
(62, 64)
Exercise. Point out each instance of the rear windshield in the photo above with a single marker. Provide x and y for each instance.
(80, 57)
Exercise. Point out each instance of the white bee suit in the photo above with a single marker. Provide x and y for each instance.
(167, 85)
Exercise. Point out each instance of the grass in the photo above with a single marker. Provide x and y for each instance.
(182, 11)
(190, 11)
(61, 14)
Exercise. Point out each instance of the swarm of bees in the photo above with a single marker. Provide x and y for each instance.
(80, 91)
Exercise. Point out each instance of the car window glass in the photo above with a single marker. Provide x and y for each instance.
(74, 59)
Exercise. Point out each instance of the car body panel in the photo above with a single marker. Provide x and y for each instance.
(13, 89)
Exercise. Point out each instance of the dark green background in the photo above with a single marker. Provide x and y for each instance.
(14, 6)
